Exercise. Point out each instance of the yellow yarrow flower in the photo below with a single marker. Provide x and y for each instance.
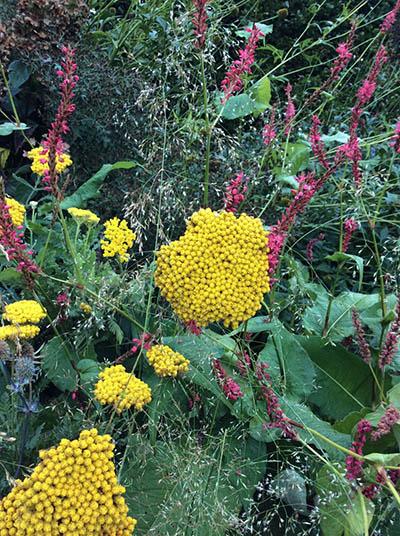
(121, 389)
(72, 491)
(23, 312)
(16, 210)
(217, 271)
(40, 160)
(118, 238)
(27, 331)
(85, 308)
(83, 216)
(166, 362)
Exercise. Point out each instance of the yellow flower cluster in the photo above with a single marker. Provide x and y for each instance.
(217, 271)
(123, 390)
(22, 315)
(72, 491)
(40, 161)
(83, 216)
(24, 311)
(85, 308)
(166, 362)
(118, 238)
(16, 210)
(27, 331)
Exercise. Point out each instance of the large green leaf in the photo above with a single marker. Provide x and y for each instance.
(57, 363)
(289, 364)
(340, 324)
(340, 257)
(8, 128)
(344, 382)
(91, 188)
(254, 101)
(238, 106)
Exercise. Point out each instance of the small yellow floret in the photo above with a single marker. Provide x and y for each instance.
(118, 238)
(85, 308)
(40, 161)
(121, 389)
(16, 210)
(83, 216)
(73, 491)
(217, 271)
(27, 331)
(166, 362)
(23, 312)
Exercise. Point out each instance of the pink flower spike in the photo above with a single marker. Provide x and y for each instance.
(230, 388)
(233, 81)
(354, 465)
(390, 18)
(269, 131)
(235, 192)
(200, 22)
(363, 347)
(386, 423)
(350, 226)
(391, 343)
(290, 110)
(317, 144)
(396, 137)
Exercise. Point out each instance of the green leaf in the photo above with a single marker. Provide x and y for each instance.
(260, 432)
(10, 276)
(88, 370)
(238, 106)
(8, 128)
(340, 324)
(18, 74)
(344, 382)
(290, 487)
(339, 256)
(260, 94)
(57, 363)
(290, 365)
(264, 28)
(384, 459)
(347, 424)
(393, 396)
(91, 188)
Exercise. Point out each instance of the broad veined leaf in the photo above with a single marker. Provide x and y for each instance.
(8, 128)
(57, 363)
(343, 380)
(91, 188)
(339, 257)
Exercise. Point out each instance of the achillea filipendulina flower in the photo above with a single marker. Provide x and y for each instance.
(277, 417)
(16, 210)
(354, 465)
(229, 386)
(121, 389)
(24, 312)
(386, 423)
(40, 161)
(72, 491)
(12, 244)
(12, 332)
(269, 130)
(235, 192)
(317, 144)
(166, 362)
(311, 244)
(350, 226)
(390, 18)
(85, 308)
(363, 346)
(290, 110)
(200, 22)
(82, 216)
(217, 271)
(118, 238)
(233, 81)
(391, 343)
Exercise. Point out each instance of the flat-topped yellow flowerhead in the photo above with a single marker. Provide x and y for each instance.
(82, 216)
(118, 239)
(217, 271)
(121, 389)
(166, 362)
(16, 210)
(40, 161)
(24, 312)
(13, 332)
(72, 491)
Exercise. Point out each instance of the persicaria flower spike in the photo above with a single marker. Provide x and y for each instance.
(363, 346)
(269, 130)
(229, 386)
(145, 341)
(235, 192)
(391, 343)
(390, 18)
(200, 22)
(317, 144)
(290, 110)
(396, 138)
(350, 226)
(354, 465)
(311, 244)
(386, 422)
(233, 81)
